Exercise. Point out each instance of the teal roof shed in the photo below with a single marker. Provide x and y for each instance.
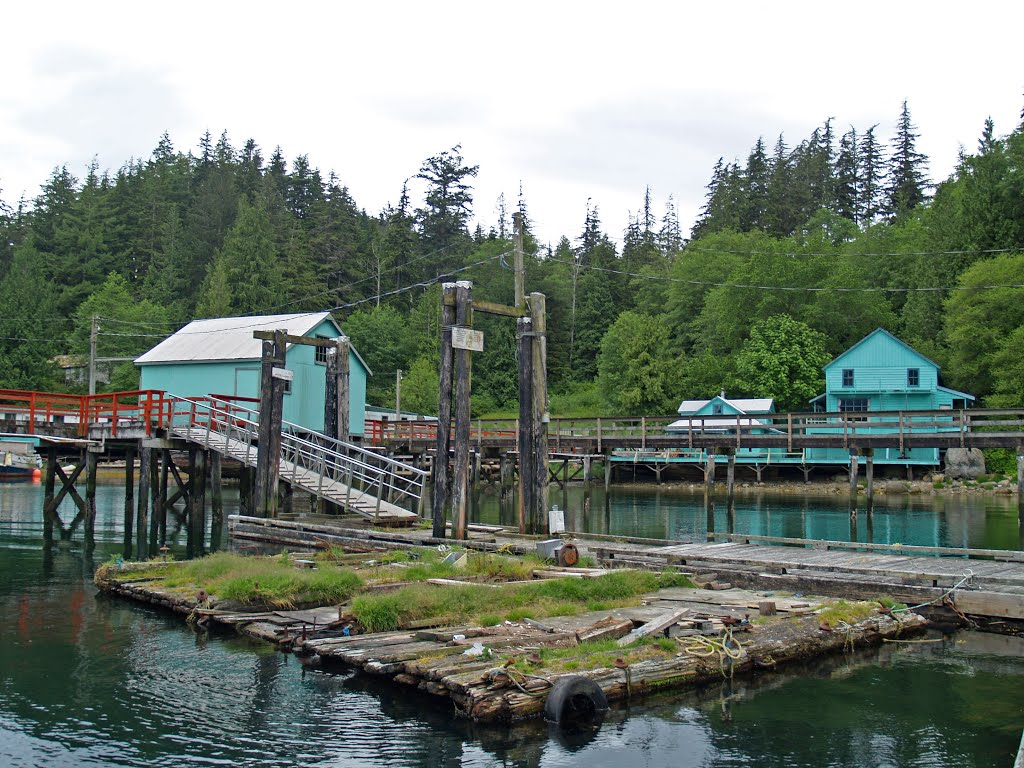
(220, 356)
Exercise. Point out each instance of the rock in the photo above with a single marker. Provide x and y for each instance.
(935, 478)
(895, 487)
(965, 463)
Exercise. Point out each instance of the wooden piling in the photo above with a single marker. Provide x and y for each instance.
(49, 509)
(197, 502)
(869, 474)
(463, 373)
(709, 472)
(730, 478)
(129, 499)
(161, 510)
(216, 500)
(541, 416)
(444, 413)
(524, 341)
(853, 476)
(607, 473)
(263, 433)
(92, 459)
(142, 509)
(155, 502)
(276, 423)
(1020, 484)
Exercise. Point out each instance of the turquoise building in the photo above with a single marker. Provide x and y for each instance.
(220, 357)
(881, 373)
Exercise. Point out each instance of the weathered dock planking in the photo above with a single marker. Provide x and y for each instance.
(987, 587)
(473, 667)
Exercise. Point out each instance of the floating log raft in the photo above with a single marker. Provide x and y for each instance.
(495, 674)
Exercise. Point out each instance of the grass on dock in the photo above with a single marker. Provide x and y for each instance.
(503, 587)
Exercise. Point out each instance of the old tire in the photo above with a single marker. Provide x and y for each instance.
(575, 701)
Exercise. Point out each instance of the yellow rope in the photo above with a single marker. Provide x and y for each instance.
(724, 647)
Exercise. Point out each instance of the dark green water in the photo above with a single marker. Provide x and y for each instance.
(86, 681)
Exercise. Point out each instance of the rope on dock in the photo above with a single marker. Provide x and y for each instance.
(947, 598)
(705, 647)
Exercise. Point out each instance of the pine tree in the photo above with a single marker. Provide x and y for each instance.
(908, 180)
(872, 178)
(847, 175)
(670, 235)
(755, 188)
(448, 205)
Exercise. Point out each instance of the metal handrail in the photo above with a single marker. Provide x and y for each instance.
(324, 456)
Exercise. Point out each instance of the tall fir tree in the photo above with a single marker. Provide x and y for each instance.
(908, 169)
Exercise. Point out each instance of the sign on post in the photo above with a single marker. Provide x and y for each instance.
(283, 373)
(467, 338)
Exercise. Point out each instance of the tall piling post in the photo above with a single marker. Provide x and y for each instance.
(709, 474)
(160, 512)
(541, 414)
(524, 344)
(463, 373)
(216, 501)
(730, 478)
(276, 423)
(444, 413)
(155, 502)
(129, 499)
(92, 460)
(197, 502)
(263, 433)
(142, 508)
(853, 481)
(869, 476)
(48, 494)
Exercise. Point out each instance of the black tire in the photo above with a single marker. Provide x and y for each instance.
(575, 701)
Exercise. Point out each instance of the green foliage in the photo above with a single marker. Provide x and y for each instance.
(638, 372)
(782, 359)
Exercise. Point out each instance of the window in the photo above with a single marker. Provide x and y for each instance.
(913, 377)
(716, 409)
(321, 352)
(853, 404)
(847, 377)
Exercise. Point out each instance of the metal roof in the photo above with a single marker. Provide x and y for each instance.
(229, 338)
(714, 424)
(744, 405)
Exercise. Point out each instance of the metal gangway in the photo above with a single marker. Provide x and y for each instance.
(360, 481)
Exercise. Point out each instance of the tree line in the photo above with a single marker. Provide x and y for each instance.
(796, 254)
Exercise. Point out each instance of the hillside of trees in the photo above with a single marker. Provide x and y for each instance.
(799, 251)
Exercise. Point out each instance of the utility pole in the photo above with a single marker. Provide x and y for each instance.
(93, 333)
(398, 395)
(517, 222)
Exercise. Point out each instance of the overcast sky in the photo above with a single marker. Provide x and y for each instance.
(573, 100)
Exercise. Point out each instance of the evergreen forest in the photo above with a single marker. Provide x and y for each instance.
(800, 250)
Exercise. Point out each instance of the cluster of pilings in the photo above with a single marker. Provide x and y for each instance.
(151, 509)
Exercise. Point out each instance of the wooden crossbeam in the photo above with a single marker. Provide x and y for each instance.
(67, 486)
(312, 341)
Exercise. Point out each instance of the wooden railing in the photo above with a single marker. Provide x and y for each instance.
(791, 431)
(34, 413)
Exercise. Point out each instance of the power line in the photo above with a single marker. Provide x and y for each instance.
(985, 251)
(789, 288)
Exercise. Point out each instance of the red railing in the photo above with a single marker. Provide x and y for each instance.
(47, 412)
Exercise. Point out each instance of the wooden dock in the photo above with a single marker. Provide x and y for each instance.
(987, 584)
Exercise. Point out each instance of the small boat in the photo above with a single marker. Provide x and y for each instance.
(18, 464)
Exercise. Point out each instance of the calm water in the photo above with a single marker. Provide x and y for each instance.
(95, 682)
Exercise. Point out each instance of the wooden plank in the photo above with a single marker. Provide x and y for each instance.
(493, 308)
(313, 341)
(654, 626)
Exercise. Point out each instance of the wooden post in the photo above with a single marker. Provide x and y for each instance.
(463, 387)
(1020, 484)
(607, 473)
(197, 502)
(505, 479)
(142, 510)
(344, 390)
(263, 434)
(853, 477)
(524, 341)
(869, 473)
(730, 478)
(92, 458)
(331, 393)
(129, 499)
(539, 377)
(216, 500)
(444, 412)
(709, 480)
(520, 270)
(277, 419)
(48, 506)
(155, 503)
(161, 510)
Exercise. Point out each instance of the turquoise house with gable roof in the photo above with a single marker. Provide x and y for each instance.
(219, 356)
(882, 373)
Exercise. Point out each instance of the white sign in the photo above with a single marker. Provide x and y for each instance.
(283, 373)
(467, 338)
